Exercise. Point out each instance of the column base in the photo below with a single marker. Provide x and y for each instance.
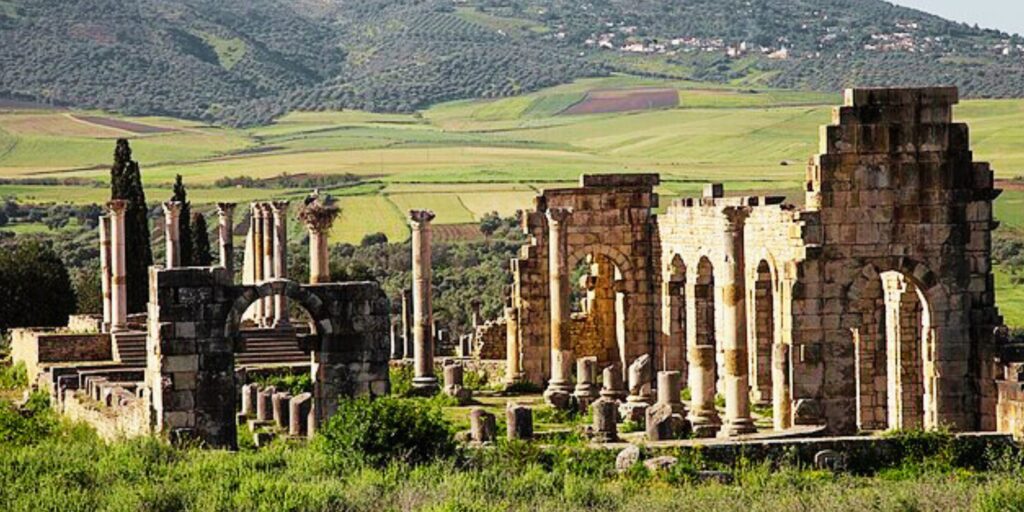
(705, 424)
(426, 384)
(737, 427)
(557, 394)
(282, 325)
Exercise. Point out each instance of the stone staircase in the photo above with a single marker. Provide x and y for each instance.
(262, 347)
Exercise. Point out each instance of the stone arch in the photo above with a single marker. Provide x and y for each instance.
(762, 332)
(893, 329)
(601, 331)
(620, 260)
(320, 324)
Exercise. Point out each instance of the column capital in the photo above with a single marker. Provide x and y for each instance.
(317, 217)
(736, 216)
(172, 208)
(418, 218)
(558, 215)
(226, 208)
(278, 207)
(256, 209)
(118, 206)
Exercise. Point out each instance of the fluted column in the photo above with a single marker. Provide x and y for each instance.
(105, 269)
(118, 280)
(280, 212)
(733, 337)
(172, 233)
(423, 315)
(225, 235)
(513, 364)
(318, 219)
(559, 386)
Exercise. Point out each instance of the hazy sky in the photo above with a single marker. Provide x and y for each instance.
(1005, 15)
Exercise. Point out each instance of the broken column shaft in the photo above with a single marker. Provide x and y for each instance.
(423, 335)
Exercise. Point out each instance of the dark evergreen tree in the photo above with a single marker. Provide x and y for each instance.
(126, 183)
(200, 242)
(184, 223)
(35, 288)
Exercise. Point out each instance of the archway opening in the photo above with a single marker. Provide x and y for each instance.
(597, 303)
(704, 306)
(673, 349)
(763, 335)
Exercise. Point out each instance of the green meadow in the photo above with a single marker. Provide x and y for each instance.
(464, 159)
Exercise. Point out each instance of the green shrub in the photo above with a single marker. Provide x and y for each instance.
(401, 380)
(522, 388)
(29, 423)
(378, 432)
(293, 383)
(13, 376)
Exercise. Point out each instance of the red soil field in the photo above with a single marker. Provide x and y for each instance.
(624, 100)
(456, 232)
(127, 126)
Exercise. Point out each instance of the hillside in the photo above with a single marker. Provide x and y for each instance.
(247, 62)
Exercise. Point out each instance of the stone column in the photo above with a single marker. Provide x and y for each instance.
(226, 235)
(475, 305)
(733, 337)
(893, 287)
(559, 386)
(423, 316)
(105, 269)
(319, 219)
(268, 261)
(513, 364)
(280, 211)
(172, 232)
(407, 334)
(256, 220)
(700, 363)
(118, 290)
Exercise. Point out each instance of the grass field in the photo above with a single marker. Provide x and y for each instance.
(467, 158)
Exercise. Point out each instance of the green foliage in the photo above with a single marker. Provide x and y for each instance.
(126, 183)
(386, 430)
(374, 239)
(13, 376)
(294, 383)
(201, 256)
(27, 424)
(630, 426)
(185, 238)
(401, 379)
(35, 288)
(523, 388)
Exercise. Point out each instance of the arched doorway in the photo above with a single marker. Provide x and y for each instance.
(894, 347)
(762, 334)
(598, 306)
(673, 322)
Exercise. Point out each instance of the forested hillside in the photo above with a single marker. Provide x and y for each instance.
(246, 62)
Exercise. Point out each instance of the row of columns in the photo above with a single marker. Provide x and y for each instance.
(267, 258)
(112, 267)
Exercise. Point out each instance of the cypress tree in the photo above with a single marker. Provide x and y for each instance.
(200, 241)
(126, 183)
(184, 224)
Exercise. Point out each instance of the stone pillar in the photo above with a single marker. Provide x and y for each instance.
(733, 336)
(606, 417)
(319, 219)
(559, 386)
(407, 335)
(782, 415)
(475, 305)
(586, 391)
(118, 279)
(453, 381)
(613, 387)
(172, 233)
(265, 404)
(396, 343)
(256, 220)
(513, 363)
(270, 317)
(299, 417)
(226, 235)
(893, 287)
(482, 426)
(280, 212)
(105, 269)
(282, 408)
(669, 391)
(249, 400)
(519, 421)
(423, 316)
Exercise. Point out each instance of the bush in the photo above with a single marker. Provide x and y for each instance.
(386, 430)
(13, 376)
(35, 288)
(401, 380)
(28, 424)
(293, 383)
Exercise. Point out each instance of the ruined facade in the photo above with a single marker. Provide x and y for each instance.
(871, 307)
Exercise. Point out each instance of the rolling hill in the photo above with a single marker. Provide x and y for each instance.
(244, 63)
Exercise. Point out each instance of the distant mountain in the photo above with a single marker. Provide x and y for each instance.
(245, 62)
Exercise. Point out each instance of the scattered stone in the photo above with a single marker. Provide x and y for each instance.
(627, 458)
(453, 382)
(660, 463)
(830, 460)
(721, 477)
(662, 423)
(262, 438)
